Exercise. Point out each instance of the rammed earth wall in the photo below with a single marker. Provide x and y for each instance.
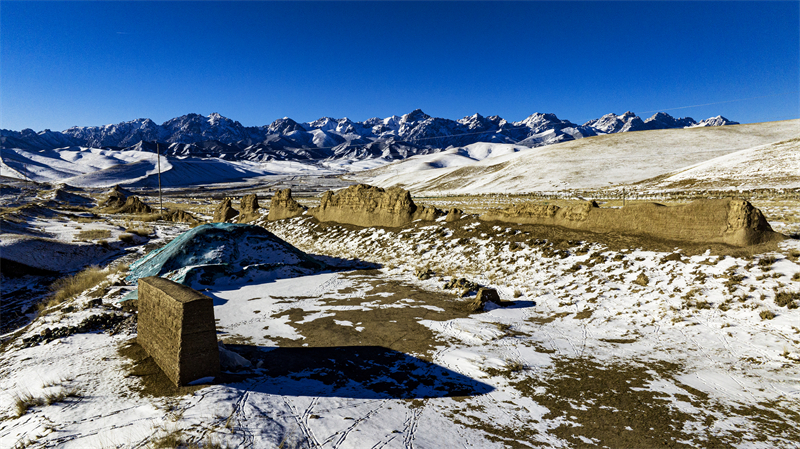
(176, 327)
(730, 221)
(364, 205)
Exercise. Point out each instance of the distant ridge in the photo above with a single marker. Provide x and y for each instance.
(395, 137)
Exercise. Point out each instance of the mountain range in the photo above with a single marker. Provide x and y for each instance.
(395, 137)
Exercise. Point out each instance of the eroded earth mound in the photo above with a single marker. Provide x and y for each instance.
(133, 205)
(214, 252)
(179, 216)
(730, 221)
(62, 196)
(364, 205)
(116, 198)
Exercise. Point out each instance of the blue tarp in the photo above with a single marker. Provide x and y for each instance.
(216, 251)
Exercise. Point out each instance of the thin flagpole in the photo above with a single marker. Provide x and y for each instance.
(160, 202)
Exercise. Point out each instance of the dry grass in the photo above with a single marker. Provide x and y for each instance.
(789, 299)
(88, 219)
(141, 232)
(176, 439)
(766, 315)
(70, 286)
(93, 234)
(766, 262)
(24, 402)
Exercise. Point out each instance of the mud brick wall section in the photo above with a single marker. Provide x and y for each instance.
(176, 327)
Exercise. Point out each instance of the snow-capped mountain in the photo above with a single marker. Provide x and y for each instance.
(714, 121)
(394, 137)
(612, 123)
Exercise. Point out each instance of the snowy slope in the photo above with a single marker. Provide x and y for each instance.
(587, 163)
(93, 167)
(775, 165)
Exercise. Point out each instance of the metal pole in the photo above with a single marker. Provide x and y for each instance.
(160, 203)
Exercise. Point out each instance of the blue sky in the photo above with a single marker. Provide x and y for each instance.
(72, 63)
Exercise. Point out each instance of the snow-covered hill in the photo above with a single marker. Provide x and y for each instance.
(391, 138)
(94, 167)
(484, 167)
(601, 161)
(775, 165)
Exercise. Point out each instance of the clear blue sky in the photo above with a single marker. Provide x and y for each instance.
(75, 63)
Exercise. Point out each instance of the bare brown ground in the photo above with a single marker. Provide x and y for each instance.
(153, 380)
(390, 322)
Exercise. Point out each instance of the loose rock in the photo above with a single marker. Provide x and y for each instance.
(484, 296)
(423, 273)
(462, 285)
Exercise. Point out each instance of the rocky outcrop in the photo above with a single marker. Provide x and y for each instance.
(427, 213)
(284, 206)
(462, 286)
(484, 296)
(364, 205)
(224, 211)
(249, 208)
(729, 221)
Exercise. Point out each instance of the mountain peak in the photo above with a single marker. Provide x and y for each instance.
(215, 135)
(215, 117)
(415, 116)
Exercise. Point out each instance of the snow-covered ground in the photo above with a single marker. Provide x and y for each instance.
(603, 345)
(771, 166)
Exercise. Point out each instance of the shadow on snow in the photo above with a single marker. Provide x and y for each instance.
(360, 372)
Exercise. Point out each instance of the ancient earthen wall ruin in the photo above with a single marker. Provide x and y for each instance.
(224, 211)
(730, 221)
(176, 327)
(284, 206)
(249, 208)
(364, 205)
